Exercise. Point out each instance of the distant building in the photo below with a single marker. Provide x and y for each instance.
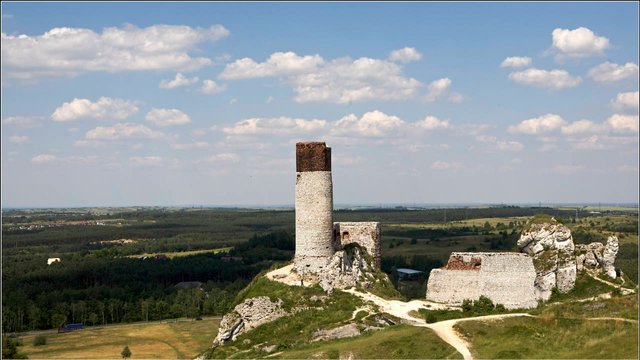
(52, 260)
(408, 274)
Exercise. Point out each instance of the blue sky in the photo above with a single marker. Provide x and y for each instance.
(107, 104)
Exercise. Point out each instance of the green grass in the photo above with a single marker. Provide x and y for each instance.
(621, 306)
(551, 338)
(172, 255)
(154, 340)
(585, 287)
(397, 342)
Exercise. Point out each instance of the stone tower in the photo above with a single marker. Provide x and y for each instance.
(314, 207)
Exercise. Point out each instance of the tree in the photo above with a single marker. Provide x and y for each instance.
(126, 353)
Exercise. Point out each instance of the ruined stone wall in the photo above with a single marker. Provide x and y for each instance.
(313, 207)
(365, 234)
(505, 278)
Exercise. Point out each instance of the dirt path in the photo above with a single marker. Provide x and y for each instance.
(625, 291)
(444, 329)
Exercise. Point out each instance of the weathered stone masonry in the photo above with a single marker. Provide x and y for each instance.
(314, 207)
(317, 236)
(505, 278)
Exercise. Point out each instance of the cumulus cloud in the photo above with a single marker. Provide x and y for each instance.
(500, 145)
(405, 55)
(589, 143)
(146, 160)
(43, 158)
(178, 81)
(581, 127)
(167, 117)
(25, 122)
(340, 81)
(539, 125)
(210, 87)
(626, 100)
(610, 72)
(122, 132)
(69, 51)
(443, 165)
(371, 124)
(432, 123)
(516, 62)
(554, 79)
(103, 108)
(577, 43)
(437, 89)
(18, 139)
(623, 123)
(187, 146)
(275, 126)
(223, 157)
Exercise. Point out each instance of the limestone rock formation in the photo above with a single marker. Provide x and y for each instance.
(551, 246)
(347, 268)
(597, 255)
(246, 316)
(340, 332)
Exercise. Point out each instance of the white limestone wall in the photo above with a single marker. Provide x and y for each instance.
(505, 278)
(365, 234)
(314, 220)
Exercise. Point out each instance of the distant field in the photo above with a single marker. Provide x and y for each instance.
(168, 339)
(172, 255)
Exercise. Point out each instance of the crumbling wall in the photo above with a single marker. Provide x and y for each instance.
(505, 278)
(313, 207)
(365, 234)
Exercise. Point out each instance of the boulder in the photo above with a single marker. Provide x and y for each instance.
(552, 248)
(347, 268)
(248, 315)
(598, 256)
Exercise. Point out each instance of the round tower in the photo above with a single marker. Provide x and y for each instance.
(314, 207)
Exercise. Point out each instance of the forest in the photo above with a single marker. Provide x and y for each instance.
(104, 276)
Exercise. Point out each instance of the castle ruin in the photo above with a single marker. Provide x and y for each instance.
(317, 236)
(505, 278)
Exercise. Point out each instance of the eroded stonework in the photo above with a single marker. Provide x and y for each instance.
(505, 278)
(365, 234)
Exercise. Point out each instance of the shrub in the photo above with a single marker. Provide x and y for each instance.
(39, 340)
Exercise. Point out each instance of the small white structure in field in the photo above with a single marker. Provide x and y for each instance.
(52, 260)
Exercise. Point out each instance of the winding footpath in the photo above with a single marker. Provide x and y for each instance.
(444, 329)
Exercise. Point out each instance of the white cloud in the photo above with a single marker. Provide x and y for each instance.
(472, 129)
(405, 55)
(437, 89)
(432, 123)
(500, 145)
(275, 126)
(582, 126)
(341, 81)
(43, 158)
(167, 117)
(516, 62)
(179, 80)
(371, 124)
(24, 122)
(610, 72)
(146, 160)
(539, 125)
(623, 123)
(456, 97)
(554, 79)
(443, 165)
(103, 108)
(18, 139)
(278, 64)
(589, 143)
(269, 100)
(122, 132)
(194, 145)
(224, 157)
(71, 51)
(626, 100)
(578, 43)
(210, 87)
(88, 143)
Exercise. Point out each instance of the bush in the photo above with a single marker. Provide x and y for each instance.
(39, 340)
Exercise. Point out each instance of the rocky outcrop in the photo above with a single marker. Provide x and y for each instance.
(551, 246)
(248, 315)
(347, 268)
(340, 332)
(598, 256)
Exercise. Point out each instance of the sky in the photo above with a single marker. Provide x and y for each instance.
(179, 104)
